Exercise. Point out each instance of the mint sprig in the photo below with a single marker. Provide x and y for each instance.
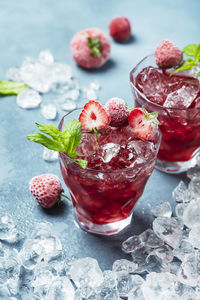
(95, 46)
(8, 88)
(192, 50)
(61, 141)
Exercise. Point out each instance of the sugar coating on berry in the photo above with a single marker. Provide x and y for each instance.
(120, 28)
(81, 51)
(167, 54)
(46, 188)
(118, 111)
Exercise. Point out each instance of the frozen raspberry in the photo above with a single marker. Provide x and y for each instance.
(46, 189)
(118, 112)
(167, 55)
(90, 48)
(120, 29)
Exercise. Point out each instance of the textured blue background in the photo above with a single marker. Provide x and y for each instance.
(26, 28)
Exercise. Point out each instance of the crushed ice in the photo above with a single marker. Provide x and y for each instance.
(163, 262)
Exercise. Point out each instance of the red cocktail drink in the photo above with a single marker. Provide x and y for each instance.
(119, 165)
(177, 101)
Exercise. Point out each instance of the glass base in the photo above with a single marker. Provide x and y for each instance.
(106, 229)
(176, 167)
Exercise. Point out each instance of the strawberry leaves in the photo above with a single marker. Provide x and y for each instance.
(192, 50)
(95, 46)
(61, 141)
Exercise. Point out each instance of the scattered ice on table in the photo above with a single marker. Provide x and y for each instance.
(194, 236)
(168, 229)
(184, 248)
(49, 155)
(125, 283)
(136, 292)
(164, 253)
(13, 74)
(28, 98)
(139, 257)
(163, 209)
(193, 172)
(131, 244)
(42, 281)
(189, 272)
(124, 266)
(49, 111)
(65, 104)
(191, 214)
(194, 187)
(89, 91)
(8, 231)
(86, 272)
(195, 71)
(61, 289)
(179, 209)
(180, 193)
(46, 57)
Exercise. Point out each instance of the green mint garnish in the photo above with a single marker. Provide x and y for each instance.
(192, 50)
(8, 88)
(95, 46)
(61, 141)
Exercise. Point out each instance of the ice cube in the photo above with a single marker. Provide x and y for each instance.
(154, 264)
(49, 111)
(89, 92)
(139, 257)
(61, 289)
(191, 214)
(179, 209)
(46, 57)
(28, 98)
(14, 74)
(67, 105)
(43, 279)
(60, 73)
(193, 173)
(157, 285)
(8, 231)
(109, 279)
(180, 193)
(194, 187)
(195, 71)
(109, 151)
(181, 98)
(189, 272)
(168, 229)
(31, 253)
(56, 264)
(49, 155)
(10, 266)
(164, 253)
(163, 209)
(131, 244)
(86, 271)
(194, 236)
(124, 266)
(125, 283)
(184, 248)
(136, 292)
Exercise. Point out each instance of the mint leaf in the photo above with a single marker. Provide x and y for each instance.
(187, 65)
(73, 137)
(46, 141)
(95, 46)
(190, 49)
(197, 54)
(83, 163)
(8, 88)
(50, 129)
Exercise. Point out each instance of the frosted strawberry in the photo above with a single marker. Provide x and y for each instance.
(142, 122)
(90, 48)
(167, 55)
(118, 111)
(94, 116)
(120, 28)
(46, 189)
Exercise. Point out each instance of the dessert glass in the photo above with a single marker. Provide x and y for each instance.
(103, 201)
(180, 127)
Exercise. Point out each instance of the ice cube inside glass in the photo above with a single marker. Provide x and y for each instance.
(119, 165)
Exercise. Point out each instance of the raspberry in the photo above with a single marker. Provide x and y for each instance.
(46, 189)
(118, 112)
(167, 55)
(120, 29)
(90, 48)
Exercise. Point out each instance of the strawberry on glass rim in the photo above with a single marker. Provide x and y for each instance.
(143, 123)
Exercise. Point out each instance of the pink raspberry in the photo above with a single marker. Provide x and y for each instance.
(118, 111)
(46, 189)
(90, 48)
(120, 28)
(167, 55)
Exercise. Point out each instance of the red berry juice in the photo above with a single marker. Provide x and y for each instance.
(177, 101)
(119, 165)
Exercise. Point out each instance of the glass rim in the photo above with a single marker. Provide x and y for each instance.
(149, 101)
(157, 144)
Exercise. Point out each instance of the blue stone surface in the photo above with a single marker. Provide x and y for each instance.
(26, 28)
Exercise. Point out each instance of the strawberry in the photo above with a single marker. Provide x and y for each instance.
(142, 122)
(120, 29)
(46, 189)
(118, 112)
(94, 116)
(167, 55)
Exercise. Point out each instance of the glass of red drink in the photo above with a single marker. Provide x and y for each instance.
(119, 165)
(177, 100)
